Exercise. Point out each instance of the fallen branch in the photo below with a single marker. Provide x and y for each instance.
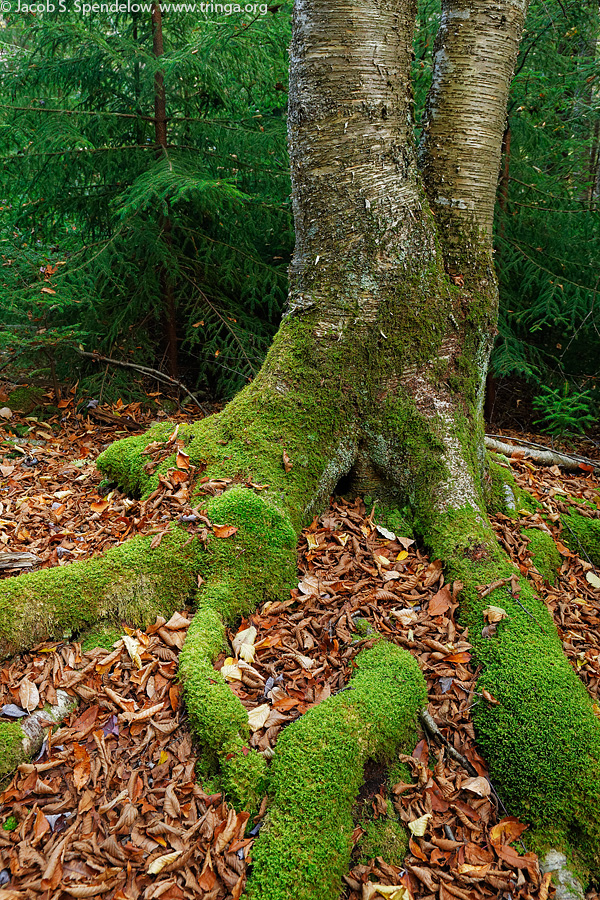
(145, 370)
(544, 456)
(24, 739)
(18, 560)
(431, 726)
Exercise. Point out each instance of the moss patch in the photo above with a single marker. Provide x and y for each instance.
(11, 748)
(304, 848)
(105, 634)
(255, 564)
(544, 553)
(25, 400)
(542, 739)
(582, 535)
(383, 837)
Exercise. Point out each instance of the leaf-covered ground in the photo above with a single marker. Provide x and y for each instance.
(111, 807)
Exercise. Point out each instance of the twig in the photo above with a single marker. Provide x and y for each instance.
(145, 370)
(429, 723)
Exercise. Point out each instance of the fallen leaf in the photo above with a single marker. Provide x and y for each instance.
(29, 696)
(418, 827)
(507, 830)
(183, 460)
(133, 648)
(494, 614)
(258, 716)
(243, 644)
(593, 579)
(479, 786)
(224, 531)
(440, 602)
(157, 865)
(287, 463)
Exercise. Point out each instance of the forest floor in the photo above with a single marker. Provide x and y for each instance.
(112, 808)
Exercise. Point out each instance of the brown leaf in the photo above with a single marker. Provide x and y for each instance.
(171, 805)
(440, 602)
(288, 465)
(183, 460)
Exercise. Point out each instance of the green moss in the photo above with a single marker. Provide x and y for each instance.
(129, 582)
(384, 837)
(582, 536)
(10, 824)
(253, 565)
(544, 553)
(304, 848)
(25, 400)
(11, 748)
(105, 634)
(541, 739)
(501, 491)
(397, 520)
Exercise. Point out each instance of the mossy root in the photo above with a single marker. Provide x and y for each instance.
(304, 847)
(256, 564)
(538, 733)
(131, 582)
(22, 739)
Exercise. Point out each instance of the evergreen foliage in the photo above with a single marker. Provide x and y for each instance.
(96, 214)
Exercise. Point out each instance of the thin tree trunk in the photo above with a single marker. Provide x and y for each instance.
(160, 133)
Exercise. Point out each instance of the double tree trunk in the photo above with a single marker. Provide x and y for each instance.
(376, 375)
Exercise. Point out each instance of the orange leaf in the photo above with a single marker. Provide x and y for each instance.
(287, 463)
(458, 657)
(507, 830)
(183, 460)
(99, 506)
(41, 825)
(82, 770)
(224, 531)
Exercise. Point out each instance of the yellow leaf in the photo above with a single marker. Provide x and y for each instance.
(258, 716)
(418, 827)
(132, 646)
(164, 756)
(391, 891)
(243, 644)
(157, 865)
(593, 579)
(312, 541)
(231, 672)
(402, 555)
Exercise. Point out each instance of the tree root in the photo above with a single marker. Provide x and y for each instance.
(304, 847)
(130, 582)
(535, 723)
(23, 739)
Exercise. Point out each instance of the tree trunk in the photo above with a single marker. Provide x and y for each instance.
(377, 373)
(160, 135)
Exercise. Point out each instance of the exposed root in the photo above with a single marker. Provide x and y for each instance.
(23, 739)
(304, 847)
(130, 582)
